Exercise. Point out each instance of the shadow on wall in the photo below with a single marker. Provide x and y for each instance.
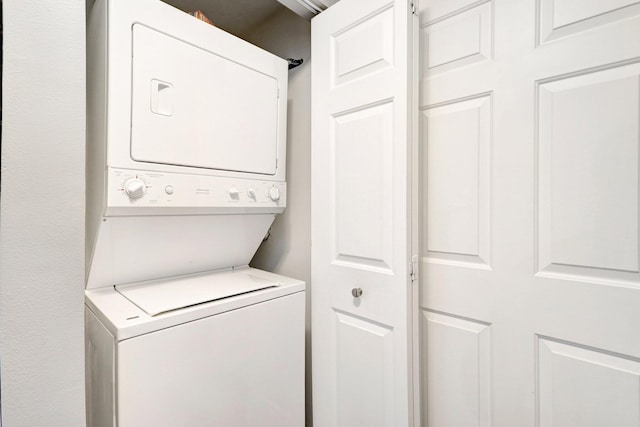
(1, 57)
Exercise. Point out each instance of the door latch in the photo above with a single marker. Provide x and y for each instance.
(413, 268)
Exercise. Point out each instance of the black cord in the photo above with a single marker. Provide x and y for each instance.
(293, 63)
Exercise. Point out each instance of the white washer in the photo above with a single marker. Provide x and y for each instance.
(157, 360)
(185, 174)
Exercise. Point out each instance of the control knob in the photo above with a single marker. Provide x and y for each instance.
(135, 188)
(234, 193)
(274, 193)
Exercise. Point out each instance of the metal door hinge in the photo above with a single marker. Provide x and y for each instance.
(413, 269)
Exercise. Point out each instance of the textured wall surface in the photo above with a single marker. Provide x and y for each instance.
(42, 214)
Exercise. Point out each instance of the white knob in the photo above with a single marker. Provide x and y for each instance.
(135, 188)
(234, 193)
(252, 193)
(274, 193)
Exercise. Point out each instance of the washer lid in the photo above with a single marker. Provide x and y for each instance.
(161, 296)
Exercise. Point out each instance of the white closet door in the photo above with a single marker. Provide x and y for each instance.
(360, 216)
(530, 287)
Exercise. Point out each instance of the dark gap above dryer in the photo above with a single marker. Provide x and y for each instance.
(237, 17)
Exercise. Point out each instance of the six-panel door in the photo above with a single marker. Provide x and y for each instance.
(360, 214)
(530, 288)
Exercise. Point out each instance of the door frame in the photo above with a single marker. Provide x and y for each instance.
(414, 198)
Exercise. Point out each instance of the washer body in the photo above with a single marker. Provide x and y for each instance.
(236, 361)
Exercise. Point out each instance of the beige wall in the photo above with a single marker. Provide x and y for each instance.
(42, 214)
(288, 250)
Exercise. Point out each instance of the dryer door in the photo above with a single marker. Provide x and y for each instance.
(192, 107)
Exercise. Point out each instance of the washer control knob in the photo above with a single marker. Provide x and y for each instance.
(234, 193)
(274, 193)
(252, 193)
(135, 188)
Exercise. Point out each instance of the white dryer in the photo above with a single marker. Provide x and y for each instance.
(185, 174)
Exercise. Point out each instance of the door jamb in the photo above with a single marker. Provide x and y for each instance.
(414, 197)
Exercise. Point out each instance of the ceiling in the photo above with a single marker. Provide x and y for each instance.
(234, 16)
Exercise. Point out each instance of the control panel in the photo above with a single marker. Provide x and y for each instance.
(190, 193)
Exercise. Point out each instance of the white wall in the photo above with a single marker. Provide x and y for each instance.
(42, 214)
(288, 250)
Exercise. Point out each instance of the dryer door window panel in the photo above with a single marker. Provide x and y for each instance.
(191, 107)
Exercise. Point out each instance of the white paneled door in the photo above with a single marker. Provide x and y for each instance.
(361, 214)
(530, 260)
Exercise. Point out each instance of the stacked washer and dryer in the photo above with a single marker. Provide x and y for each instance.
(185, 174)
